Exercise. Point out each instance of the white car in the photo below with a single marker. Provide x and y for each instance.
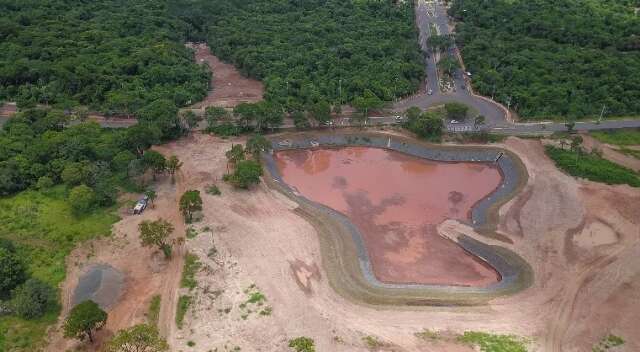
(430, 92)
(454, 122)
(398, 117)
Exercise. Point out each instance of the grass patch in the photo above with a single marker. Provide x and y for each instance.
(184, 302)
(493, 343)
(44, 231)
(607, 343)
(213, 190)
(482, 137)
(618, 137)
(427, 334)
(630, 152)
(372, 342)
(255, 303)
(302, 344)
(154, 310)
(191, 267)
(191, 233)
(592, 167)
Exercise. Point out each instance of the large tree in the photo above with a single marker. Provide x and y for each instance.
(173, 165)
(83, 320)
(257, 144)
(156, 233)
(246, 174)
(190, 202)
(154, 161)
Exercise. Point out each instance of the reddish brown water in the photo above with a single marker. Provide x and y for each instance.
(396, 201)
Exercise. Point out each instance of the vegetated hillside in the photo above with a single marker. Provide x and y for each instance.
(112, 55)
(308, 51)
(554, 58)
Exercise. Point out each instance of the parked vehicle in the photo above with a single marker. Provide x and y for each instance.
(430, 92)
(141, 205)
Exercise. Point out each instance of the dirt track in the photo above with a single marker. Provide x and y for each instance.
(229, 87)
(581, 238)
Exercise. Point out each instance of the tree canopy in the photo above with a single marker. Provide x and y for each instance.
(316, 50)
(83, 320)
(551, 58)
(114, 56)
(190, 202)
(156, 233)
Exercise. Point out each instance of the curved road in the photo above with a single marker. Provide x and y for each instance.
(433, 13)
(496, 117)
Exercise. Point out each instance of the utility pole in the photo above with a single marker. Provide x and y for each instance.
(508, 102)
(340, 90)
(604, 107)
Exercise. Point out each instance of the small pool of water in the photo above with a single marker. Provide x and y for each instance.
(100, 283)
(396, 201)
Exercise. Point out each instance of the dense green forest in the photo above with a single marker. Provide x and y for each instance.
(553, 58)
(308, 51)
(113, 56)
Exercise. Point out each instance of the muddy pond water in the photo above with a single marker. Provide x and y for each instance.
(396, 201)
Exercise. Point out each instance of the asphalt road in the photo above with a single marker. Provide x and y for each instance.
(428, 13)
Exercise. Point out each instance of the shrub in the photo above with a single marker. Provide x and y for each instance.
(33, 299)
(213, 190)
(44, 183)
(12, 272)
(246, 174)
(493, 343)
(82, 199)
(302, 344)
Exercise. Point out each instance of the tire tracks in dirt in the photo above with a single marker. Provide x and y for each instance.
(171, 284)
(566, 306)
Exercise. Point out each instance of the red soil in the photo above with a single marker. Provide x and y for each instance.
(396, 201)
(229, 87)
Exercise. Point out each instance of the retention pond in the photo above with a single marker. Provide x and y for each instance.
(396, 202)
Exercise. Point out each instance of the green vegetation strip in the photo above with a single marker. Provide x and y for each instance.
(191, 267)
(493, 343)
(184, 302)
(592, 167)
(618, 137)
(154, 310)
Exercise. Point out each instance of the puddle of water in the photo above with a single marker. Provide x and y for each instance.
(396, 201)
(100, 283)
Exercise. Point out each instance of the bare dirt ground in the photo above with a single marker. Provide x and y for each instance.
(146, 271)
(582, 240)
(8, 109)
(229, 87)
